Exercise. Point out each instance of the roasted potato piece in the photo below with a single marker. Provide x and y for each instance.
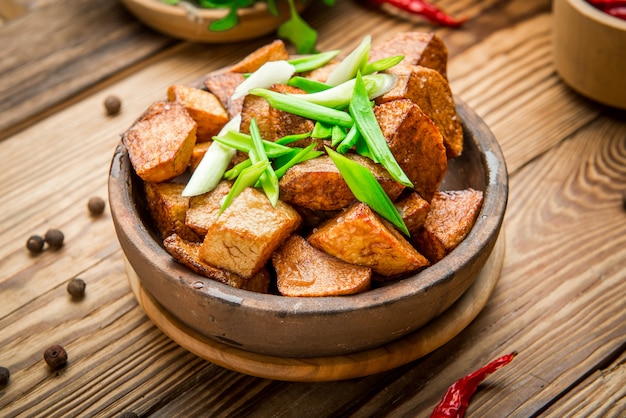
(317, 184)
(246, 234)
(413, 209)
(160, 143)
(418, 48)
(188, 254)
(429, 90)
(204, 209)
(198, 152)
(302, 270)
(204, 107)
(274, 51)
(223, 85)
(452, 215)
(359, 236)
(416, 143)
(168, 208)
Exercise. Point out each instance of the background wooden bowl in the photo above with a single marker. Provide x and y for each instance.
(326, 326)
(177, 22)
(590, 51)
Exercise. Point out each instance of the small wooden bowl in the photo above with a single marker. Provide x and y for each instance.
(590, 51)
(178, 22)
(325, 326)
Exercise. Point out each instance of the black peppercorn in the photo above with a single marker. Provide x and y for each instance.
(76, 288)
(112, 104)
(54, 238)
(35, 244)
(95, 206)
(55, 357)
(5, 375)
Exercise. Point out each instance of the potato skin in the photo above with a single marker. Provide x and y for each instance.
(203, 107)
(168, 209)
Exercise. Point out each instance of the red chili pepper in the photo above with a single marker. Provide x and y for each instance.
(454, 403)
(615, 8)
(423, 8)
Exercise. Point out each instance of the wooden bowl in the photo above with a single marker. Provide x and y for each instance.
(590, 51)
(178, 22)
(325, 326)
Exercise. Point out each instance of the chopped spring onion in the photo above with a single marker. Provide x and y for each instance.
(297, 106)
(272, 72)
(213, 164)
(243, 142)
(304, 154)
(348, 68)
(365, 120)
(381, 64)
(248, 177)
(308, 85)
(366, 189)
(313, 61)
(337, 136)
(269, 181)
(321, 130)
(339, 97)
(349, 140)
(288, 139)
(234, 172)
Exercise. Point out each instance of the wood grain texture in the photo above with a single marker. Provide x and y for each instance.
(559, 303)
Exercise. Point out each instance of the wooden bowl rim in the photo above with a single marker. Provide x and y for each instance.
(212, 14)
(588, 10)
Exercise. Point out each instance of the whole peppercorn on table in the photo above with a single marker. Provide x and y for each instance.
(559, 303)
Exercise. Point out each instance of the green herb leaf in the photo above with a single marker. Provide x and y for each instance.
(227, 22)
(366, 189)
(298, 32)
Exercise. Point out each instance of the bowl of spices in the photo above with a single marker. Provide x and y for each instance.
(589, 48)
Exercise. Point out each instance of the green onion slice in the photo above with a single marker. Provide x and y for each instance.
(234, 172)
(247, 178)
(313, 61)
(244, 142)
(269, 181)
(304, 154)
(321, 130)
(348, 68)
(349, 141)
(272, 72)
(381, 64)
(288, 139)
(366, 189)
(308, 85)
(337, 136)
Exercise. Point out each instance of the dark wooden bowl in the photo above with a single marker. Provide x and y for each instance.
(327, 326)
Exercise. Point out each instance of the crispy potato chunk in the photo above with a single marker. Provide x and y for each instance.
(274, 51)
(198, 152)
(413, 209)
(204, 107)
(302, 270)
(204, 209)
(452, 215)
(416, 143)
(429, 90)
(418, 48)
(188, 253)
(246, 234)
(168, 208)
(317, 184)
(223, 85)
(160, 143)
(359, 236)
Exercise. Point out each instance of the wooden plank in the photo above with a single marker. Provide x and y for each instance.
(34, 79)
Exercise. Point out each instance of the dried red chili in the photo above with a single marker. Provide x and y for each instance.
(454, 403)
(615, 8)
(423, 8)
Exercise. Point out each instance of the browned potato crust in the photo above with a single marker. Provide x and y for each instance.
(452, 215)
(168, 208)
(302, 270)
(426, 49)
(223, 85)
(359, 236)
(204, 107)
(317, 184)
(416, 143)
(198, 152)
(429, 90)
(245, 235)
(204, 209)
(188, 254)
(160, 143)
(413, 209)
(274, 51)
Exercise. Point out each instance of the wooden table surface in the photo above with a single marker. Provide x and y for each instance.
(560, 301)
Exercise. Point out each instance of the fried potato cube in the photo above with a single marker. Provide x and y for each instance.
(321, 74)
(428, 89)
(418, 48)
(223, 85)
(317, 184)
(161, 141)
(204, 107)
(413, 209)
(204, 209)
(302, 270)
(188, 253)
(198, 153)
(359, 236)
(167, 208)
(245, 235)
(415, 142)
(451, 217)
(274, 51)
